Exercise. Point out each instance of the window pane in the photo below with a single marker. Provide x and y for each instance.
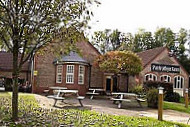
(59, 74)
(147, 77)
(181, 83)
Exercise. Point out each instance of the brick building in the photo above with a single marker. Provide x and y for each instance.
(6, 67)
(73, 71)
(159, 64)
(76, 71)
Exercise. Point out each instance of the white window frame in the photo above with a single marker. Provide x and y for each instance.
(70, 75)
(59, 73)
(151, 79)
(178, 85)
(81, 74)
(167, 79)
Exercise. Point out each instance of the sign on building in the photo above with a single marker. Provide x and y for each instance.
(165, 68)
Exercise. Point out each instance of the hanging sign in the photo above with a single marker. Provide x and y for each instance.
(35, 73)
(165, 68)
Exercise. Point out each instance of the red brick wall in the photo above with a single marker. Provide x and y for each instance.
(90, 54)
(47, 71)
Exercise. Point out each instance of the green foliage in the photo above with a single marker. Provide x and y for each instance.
(32, 115)
(138, 89)
(168, 87)
(120, 61)
(172, 97)
(143, 40)
(176, 106)
(108, 40)
(152, 98)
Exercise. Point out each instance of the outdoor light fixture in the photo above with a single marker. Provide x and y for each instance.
(160, 90)
(186, 90)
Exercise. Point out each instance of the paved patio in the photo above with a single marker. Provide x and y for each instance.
(104, 105)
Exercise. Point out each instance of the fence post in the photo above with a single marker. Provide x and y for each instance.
(186, 98)
(160, 103)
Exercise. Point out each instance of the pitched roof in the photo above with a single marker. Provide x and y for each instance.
(6, 62)
(148, 55)
(72, 57)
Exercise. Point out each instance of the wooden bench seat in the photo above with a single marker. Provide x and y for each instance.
(92, 94)
(56, 98)
(118, 99)
(140, 99)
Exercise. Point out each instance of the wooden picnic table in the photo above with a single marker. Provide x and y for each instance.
(65, 91)
(120, 97)
(57, 88)
(94, 91)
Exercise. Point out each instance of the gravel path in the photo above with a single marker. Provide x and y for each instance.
(106, 106)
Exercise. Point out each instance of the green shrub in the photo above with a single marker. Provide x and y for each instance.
(172, 97)
(152, 98)
(138, 89)
(168, 87)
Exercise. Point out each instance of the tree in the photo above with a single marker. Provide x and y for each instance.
(108, 40)
(28, 25)
(120, 61)
(164, 37)
(143, 41)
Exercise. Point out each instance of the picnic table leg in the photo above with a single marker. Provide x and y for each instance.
(139, 103)
(119, 104)
(80, 103)
(91, 97)
(54, 103)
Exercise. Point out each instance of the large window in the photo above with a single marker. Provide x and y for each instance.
(178, 82)
(165, 78)
(59, 74)
(81, 74)
(150, 77)
(70, 74)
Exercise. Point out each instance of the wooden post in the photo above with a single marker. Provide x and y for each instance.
(160, 103)
(186, 98)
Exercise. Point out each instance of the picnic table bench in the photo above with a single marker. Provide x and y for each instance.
(59, 97)
(93, 92)
(120, 98)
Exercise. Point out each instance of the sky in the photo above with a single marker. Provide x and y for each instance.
(130, 15)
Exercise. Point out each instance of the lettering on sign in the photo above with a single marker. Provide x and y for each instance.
(165, 68)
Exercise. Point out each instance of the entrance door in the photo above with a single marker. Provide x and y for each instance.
(115, 84)
(108, 84)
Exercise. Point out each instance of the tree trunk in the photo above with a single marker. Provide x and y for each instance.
(15, 75)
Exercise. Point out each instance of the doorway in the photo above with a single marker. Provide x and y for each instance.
(108, 84)
(115, 84)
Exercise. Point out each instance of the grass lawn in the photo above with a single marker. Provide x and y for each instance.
(176, 106)
(30, 114)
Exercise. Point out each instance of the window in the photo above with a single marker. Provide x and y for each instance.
(81, 74)
(70, 74)
(59, 74)
(165, 78)
(178, 82)
(150, 77)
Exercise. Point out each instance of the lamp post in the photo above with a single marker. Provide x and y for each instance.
(186, 98)
(160, 103)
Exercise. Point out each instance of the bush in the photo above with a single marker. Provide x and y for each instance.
(152, 98)
(168, 87)
(138, 89)
(172, 97)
